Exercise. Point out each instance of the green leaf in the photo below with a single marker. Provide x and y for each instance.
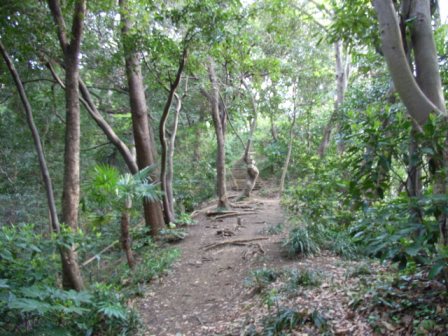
(30, 305)
(4, 283)
(413, 250)
(113, 311)
(436, 269)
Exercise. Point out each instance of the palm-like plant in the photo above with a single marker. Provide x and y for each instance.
(124, 189)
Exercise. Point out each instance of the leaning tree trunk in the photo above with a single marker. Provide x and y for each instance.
(219, 119)
(139, 112)
(71, 275)
(54, 220)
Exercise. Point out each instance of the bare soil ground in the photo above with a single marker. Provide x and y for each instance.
(206, 291)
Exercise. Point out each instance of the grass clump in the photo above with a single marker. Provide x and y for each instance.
(303, 278)
(259, 279)
(301, 242)
(287, 319)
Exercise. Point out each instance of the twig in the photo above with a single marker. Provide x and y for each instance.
(88, 261)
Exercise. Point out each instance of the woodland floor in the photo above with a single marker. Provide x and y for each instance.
(206, 291)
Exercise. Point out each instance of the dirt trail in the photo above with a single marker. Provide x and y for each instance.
(205, 292)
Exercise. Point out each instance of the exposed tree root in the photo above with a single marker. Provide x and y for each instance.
(235, 214)
(238, 242)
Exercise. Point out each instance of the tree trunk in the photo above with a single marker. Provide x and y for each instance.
(429, 80)
(422, 96)
(418, 105)
(54, 220)
(126, 242)
(168, 208)
(87, 101)
(170, 156)
(342, 69)
(139, 112)
(71, 275)
(288, 156)
(219, 119)
(251, 168)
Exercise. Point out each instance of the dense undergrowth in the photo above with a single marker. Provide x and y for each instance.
(31, 304)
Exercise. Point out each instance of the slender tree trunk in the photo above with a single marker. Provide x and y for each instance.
(139, 112)
(273, 128)
(219, 119)
(414, 184)
(168, 207)
(170, 156)
(251, 168)
(71, 275)
(288, 155)
(126, 242)
(198, 136)
(342, 70)
(54, 220)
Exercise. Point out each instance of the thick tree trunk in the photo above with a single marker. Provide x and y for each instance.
(429, 80)
(71, 276)
(139, 112)
(418, 105)
(126, 242)
(87, 101)
(168, 207)
(422, 96)
(219, 119)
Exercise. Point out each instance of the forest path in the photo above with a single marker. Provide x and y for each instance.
(205, 293)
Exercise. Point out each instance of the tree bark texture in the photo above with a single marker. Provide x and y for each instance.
(139, 112)
(71, 275)
(219, 119)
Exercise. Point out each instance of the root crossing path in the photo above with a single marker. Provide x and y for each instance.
(206, 291)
